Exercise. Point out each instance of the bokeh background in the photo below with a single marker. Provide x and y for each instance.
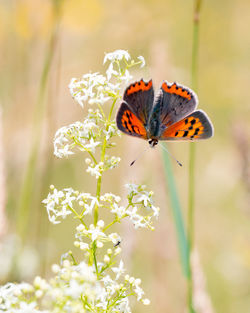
(35, 102)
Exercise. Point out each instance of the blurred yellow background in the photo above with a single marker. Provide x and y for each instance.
(161, 31)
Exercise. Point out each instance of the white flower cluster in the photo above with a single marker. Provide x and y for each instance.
(84, 135)
(138, 200)
(140, 208)
(97, 169)
(95, 88)
(75, 288)
(60, 204)
(10, 301)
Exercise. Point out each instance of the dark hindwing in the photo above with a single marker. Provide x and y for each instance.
(176, 103)
(129, 123)
(140, 97)
(195, 126)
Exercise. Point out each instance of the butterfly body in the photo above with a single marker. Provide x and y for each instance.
(170, 115)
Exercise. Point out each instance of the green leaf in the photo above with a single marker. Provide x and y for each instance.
(177, 214)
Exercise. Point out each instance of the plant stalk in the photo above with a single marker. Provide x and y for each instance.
(29, 180)
(177, 214)
(99, 181)
(192, 149)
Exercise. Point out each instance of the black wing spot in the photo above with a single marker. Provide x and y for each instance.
(185, 133)
(193, 121)
(196, 131)
(186, 120)
(135, 129)
(126, 126)
(176, 134)
(190, 127)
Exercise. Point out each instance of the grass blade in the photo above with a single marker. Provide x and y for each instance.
(177, 214)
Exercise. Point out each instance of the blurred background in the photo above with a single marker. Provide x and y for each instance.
(44, 44)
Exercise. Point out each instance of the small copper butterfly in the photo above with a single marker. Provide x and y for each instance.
(170, 115)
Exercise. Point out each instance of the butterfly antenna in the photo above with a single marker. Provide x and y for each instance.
(164, 148)
(133, 162)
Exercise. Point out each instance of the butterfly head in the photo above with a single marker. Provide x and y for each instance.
(153, 142)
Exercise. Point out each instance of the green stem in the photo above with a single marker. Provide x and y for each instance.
(73, 258)
(28, 185)
(109, 225)
(191, 183)
(94, 258)
(92, 156)
(178, 218)
(99, 181)
(77, 216)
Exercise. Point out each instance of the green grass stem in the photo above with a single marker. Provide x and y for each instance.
(177, 214)
(192, 152)
(29, 179)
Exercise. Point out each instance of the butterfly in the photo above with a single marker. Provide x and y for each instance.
(170, 115)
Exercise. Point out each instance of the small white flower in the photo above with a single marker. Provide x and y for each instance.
(156, 211)
(110, 71)
(94, 233)
(100, 223)
(55, 268)
(109, 251)
(144, 198)
(84, 246)
(139, 292)
(132, 188)
(79, 135)
(39, 293)
(80, 228)
(58, 204)
(131, 280)
(99, 244)
(87, 161)
(118, 270)
(141, 58)
(124, 306)
(91, 145)
(118, 250)
(120, 211)
(126, 77)
(116, 55)
(106, 258)
(27, 307)
(74, 289)
(146, 301)
(137, 281)
(114, 237)
(77, 244)
(96, 170)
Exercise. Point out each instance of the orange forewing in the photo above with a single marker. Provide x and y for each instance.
(133, 125)
(189, 128)
(177, 90)
(141, 85)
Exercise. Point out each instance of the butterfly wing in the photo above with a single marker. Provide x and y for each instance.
(134, 111)
(195, 126)
(176, 103)
(129, 123)
(140, 97)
